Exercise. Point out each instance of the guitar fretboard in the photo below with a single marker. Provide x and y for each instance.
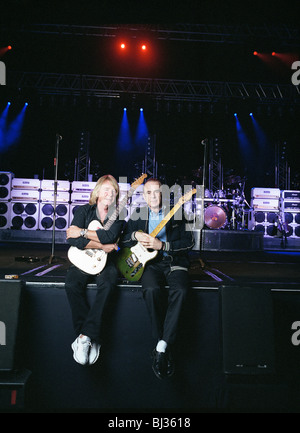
(123, 203)
(169, 215)
(118, 209)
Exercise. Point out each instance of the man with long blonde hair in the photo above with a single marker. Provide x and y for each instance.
(88, 319)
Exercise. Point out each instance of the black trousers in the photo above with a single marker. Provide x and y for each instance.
(164, 304)
(88, 319)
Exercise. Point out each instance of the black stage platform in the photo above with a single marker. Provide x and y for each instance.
(122, 379)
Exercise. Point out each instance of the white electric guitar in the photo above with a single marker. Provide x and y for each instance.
(90, 260)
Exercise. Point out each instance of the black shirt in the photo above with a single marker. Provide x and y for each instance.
(84, 215)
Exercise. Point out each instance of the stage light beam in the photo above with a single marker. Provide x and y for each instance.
(10, 134)
(124, 138)
(142, 132)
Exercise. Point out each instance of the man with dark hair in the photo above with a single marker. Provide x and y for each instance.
(169, 267)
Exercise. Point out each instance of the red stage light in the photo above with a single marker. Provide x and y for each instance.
(123, 46)
(255, 53)
(144, 47)
(273, 54)
(9, 47)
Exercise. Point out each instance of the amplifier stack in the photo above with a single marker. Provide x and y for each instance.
(80, 194)
(62, 206)
(25, 197)
(264, 216)
(290, 210)
(5, 198)
(275, 212)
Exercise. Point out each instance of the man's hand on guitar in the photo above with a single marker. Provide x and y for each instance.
(149, 241)
(108, 248)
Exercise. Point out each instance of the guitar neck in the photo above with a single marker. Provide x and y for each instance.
(165, 220)
(118, 209)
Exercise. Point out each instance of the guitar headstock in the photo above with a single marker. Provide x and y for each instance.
(187, 196)
(138, 181)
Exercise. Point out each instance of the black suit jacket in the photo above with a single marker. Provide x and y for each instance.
(179, 236)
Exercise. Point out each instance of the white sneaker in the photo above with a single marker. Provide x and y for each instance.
(94, 352)
(81, 348)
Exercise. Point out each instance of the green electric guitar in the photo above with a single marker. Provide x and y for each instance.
(131, 262)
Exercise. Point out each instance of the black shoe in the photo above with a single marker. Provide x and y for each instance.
(159, 364)
(170, 364)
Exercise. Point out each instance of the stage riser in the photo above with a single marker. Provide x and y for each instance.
(10, 299)
(123, 378)
(227, 240)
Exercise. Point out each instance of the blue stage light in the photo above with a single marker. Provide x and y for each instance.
(244, 141)
(124, 138)
(10, 133)
(142, 134)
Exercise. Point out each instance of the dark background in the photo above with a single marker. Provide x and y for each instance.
(178, 134)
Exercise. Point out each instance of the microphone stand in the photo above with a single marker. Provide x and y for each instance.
(52, 257)
(204, 143)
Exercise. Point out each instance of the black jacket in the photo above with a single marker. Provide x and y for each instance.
(82, 218)
(179, 236)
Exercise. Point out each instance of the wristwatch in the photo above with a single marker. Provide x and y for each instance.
(83, 233)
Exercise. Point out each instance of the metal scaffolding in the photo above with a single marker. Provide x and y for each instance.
(282, 167)
(46, 83)
(215, 167)
(282, 35)
(82, 162)
(150, 163)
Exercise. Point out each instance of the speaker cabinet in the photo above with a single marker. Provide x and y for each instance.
(10, 295)
(62, 210)
(292, 224)
(25, 211)
(264, 222)
(5, 185)
(78, 198)
(247, 330)
(5, 212)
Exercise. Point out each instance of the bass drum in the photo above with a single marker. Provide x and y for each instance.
(215, 217)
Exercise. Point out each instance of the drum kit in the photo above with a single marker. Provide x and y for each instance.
(226, 208)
